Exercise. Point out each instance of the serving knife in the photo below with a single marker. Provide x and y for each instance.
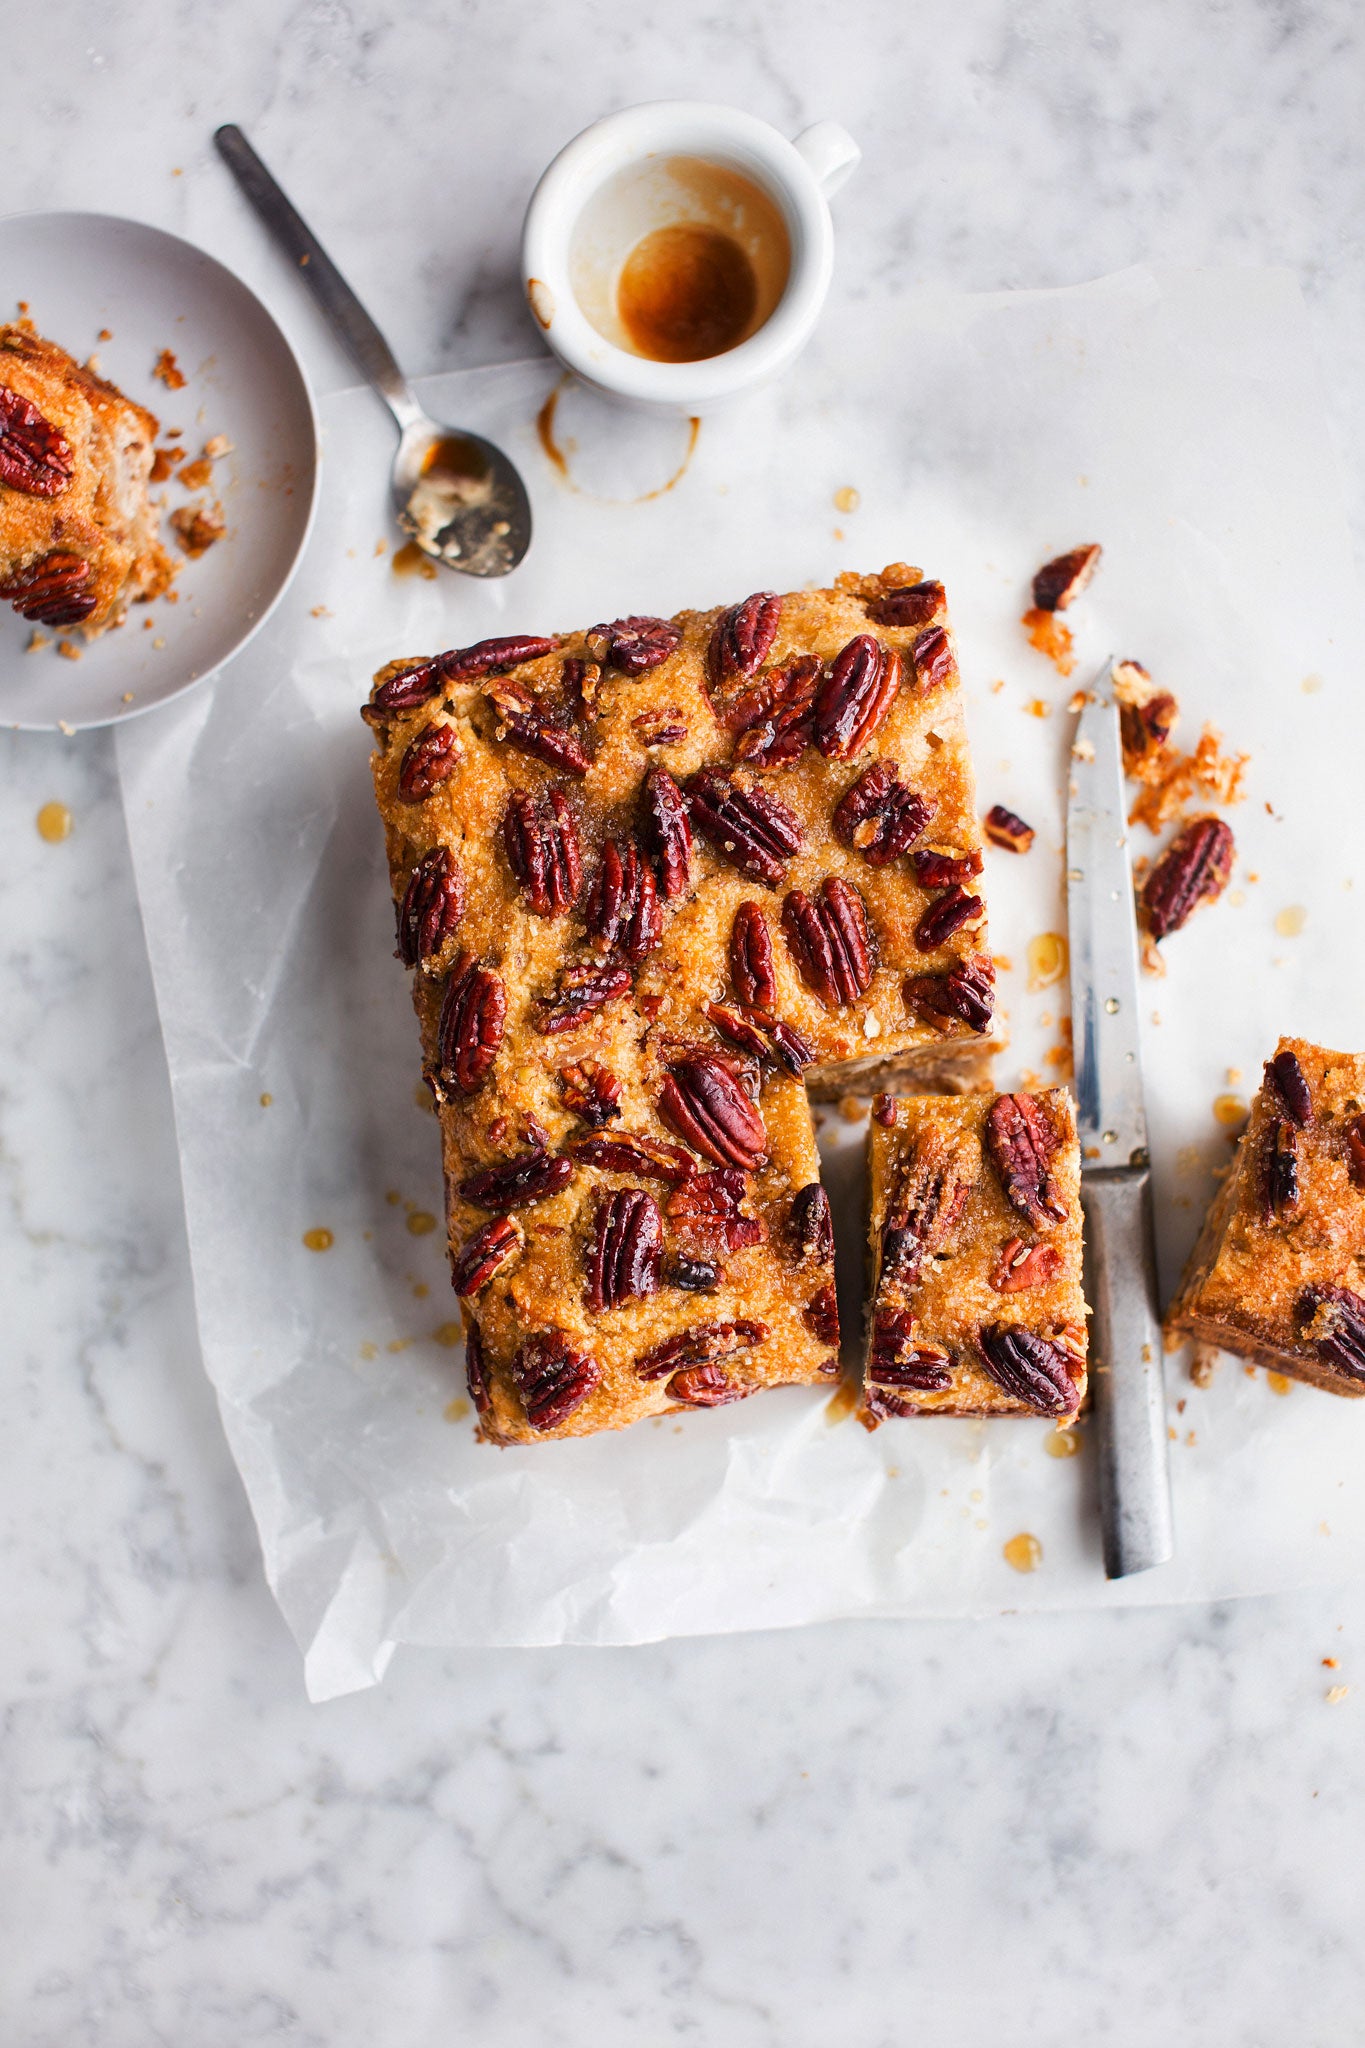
(1116, 1193)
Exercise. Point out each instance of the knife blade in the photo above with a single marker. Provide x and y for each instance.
(1116, 1192)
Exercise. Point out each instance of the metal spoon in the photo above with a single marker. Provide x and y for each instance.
(459, 497)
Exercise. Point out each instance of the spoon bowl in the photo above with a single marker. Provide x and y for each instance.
(460, 498)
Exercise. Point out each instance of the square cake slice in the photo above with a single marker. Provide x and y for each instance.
(654, 880)
(975, 1304)
(78, 538)
(1278, 1271)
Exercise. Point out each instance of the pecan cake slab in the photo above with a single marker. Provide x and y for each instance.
(655, 880)
(78, 536)
(975, 1305)
(1278, 1272)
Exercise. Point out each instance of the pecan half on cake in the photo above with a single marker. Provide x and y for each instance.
(1278, 1271)
(975, 1305)
(78, 538)
(655, 880)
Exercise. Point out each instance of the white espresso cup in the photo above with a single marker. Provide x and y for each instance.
(689, 166)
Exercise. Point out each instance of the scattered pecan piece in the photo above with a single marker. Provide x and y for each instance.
(1279, 1169)
(663, 726)
(590, 1091)
(473, 1012)
(925, 1207)
(1332, 1320)
(1029, 1368)
(751, 958)
(1195, 867)
(536, 728)
(622, 913)
(821, 1315)
(431, 906)
(753, 831)
(1355, 1150)
(484, 1254)
(811, 1225)
(1023, 1265)
(742, 637)
(1022, 1143)
(35, 456)
(894, 1359)
(553, 1378)
(518, 1182)
(627, 1249)
(52, 592)
(704, 1386)
(707, 1212)
(775, 719)
(880, 815)
(938, 867)
(966, 992)
(432, 757)
(581, 991)
(830, 941)
(1060, 582)
(694, 1276)
(635, 1153)
(476, 1373)
(667, 834)
(1147, 718)
(700, 1345)
(1284, 1077)
(705, 1105)
(855, 696)
(913, 604)
(634, 645)
(1007, 829)
(541, 839)
(931, 658)
(947, 915)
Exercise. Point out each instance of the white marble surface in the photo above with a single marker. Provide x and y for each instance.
(1142, 1825)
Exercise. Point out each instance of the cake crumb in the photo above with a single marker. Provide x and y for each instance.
(1047, 633)
(37, 640)
(852, 1108)
(68, 650)
(198, 528)
(1335, 1694)
(168, 371)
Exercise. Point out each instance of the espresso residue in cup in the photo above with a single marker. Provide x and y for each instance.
(686, 292)
(679, 259)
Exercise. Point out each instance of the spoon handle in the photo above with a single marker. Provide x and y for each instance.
(346, 316)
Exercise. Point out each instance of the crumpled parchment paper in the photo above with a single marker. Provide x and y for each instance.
(1171, 416)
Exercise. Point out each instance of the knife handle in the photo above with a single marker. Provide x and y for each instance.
(1129, 1379)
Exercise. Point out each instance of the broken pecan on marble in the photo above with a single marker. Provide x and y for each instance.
(1007, 829)
(1195, 867)
(1060, 582)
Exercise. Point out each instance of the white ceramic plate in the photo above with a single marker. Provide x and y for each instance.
(83, 272)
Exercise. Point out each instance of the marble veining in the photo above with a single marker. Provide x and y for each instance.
(1144, 1825)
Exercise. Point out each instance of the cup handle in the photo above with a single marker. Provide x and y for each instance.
(830, 153)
